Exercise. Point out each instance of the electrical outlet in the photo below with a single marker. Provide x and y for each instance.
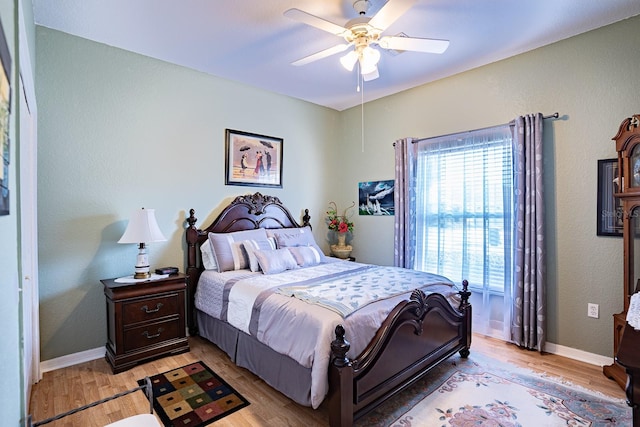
(593, 310)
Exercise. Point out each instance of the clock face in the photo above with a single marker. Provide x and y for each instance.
(635, 170)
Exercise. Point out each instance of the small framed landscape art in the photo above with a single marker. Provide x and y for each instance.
(610, 213)
(5, 114)
(252, 159)
(376, 198)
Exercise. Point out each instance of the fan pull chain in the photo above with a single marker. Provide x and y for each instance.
(362, 110)
(360, 81)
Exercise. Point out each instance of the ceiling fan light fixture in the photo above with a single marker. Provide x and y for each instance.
(371, 75)
(369, 60)
(349, 60)
(368, 69)
(362, 32)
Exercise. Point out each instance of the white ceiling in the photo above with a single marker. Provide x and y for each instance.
(250, 41)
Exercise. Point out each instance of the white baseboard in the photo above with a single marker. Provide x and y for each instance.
(560, 350)
(98, 353)
(72, 359)
(575, 354)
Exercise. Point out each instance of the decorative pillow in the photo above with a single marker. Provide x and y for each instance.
(207, 256)
(250, 246)
(275, 261)
(290, 237)
(305, 256)
(228, 250)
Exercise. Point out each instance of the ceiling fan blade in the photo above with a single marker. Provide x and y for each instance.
(322, 54)
(413, 44)
(390, 12)
(314, 21)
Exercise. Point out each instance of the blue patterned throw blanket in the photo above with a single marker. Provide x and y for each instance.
(349, 291)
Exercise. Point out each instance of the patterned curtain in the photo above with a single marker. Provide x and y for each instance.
(529, 305)
(405, 202)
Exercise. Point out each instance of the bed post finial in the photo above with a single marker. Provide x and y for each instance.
(339, 348)
(306, 218)
(465, 294)
(192, 219)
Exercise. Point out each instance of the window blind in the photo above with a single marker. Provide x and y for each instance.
(464, 207)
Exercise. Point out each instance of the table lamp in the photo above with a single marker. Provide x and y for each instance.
(142, 229)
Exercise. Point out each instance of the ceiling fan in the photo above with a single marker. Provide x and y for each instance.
(365, 32)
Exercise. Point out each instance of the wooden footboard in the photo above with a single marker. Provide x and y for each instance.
(417, 336)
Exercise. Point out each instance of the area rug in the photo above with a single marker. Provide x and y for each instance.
(480, 391)
(193, 396)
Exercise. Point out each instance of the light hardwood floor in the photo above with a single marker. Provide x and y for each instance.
(71, 387)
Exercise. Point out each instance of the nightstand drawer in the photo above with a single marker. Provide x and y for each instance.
(150, 309)
(154, 333)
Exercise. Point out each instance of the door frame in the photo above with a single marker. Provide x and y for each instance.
(28, 219)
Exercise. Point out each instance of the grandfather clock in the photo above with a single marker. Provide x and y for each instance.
(628, 178)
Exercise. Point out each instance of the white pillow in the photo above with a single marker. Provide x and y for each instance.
(275, 261)
(289, 237)
(250, 246)
(305, 256)
(207, 256)
(228, 250)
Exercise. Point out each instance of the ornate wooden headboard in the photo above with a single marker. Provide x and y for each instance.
(246, 212)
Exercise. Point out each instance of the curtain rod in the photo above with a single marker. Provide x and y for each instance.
(550, 116)
(511, 123)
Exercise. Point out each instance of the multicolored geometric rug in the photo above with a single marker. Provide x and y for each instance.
(193, 396)
(480, 391)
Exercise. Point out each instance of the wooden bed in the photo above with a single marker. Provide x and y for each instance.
(418, 334)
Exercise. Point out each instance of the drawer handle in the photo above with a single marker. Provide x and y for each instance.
(146, 334)
(146, 308)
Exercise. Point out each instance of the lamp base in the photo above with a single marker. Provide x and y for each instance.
(142, 275)
(142, 263)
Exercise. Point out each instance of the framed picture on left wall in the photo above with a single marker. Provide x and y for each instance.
(252, 159)
(5, 114)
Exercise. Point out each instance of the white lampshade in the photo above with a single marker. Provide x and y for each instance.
(142, 228)
(371, 75)
(369, 60)
(349, 60)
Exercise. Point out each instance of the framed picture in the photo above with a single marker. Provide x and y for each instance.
(5, 114)
(252, 159)
(376, 198)
(610, 213)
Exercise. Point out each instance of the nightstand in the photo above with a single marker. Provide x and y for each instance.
(145, 320)
(349, 258)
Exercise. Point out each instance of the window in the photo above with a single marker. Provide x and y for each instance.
(464, 214)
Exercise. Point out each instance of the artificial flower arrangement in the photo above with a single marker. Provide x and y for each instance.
(339, 223)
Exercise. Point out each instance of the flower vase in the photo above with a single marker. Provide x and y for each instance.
(341, 250)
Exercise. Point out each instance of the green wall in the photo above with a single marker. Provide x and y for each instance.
(592, 81)
(118, 131)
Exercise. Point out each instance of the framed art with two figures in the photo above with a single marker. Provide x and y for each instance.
(253, 159)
